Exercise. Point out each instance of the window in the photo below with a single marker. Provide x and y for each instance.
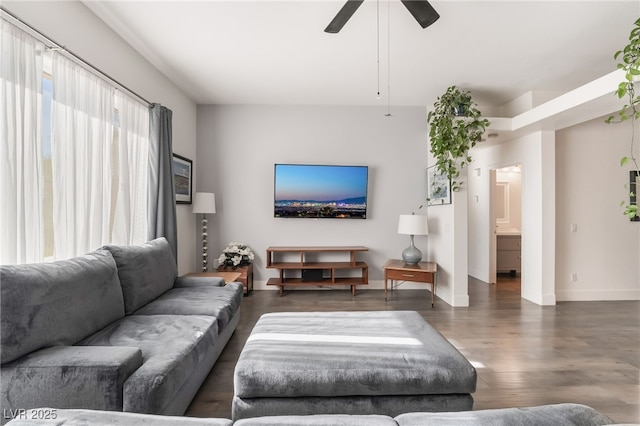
(88, 151)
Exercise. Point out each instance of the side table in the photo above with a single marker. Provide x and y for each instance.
(246, 276)
(422, 272)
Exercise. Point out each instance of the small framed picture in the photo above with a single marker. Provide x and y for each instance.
(182, 178)
(439, 187)
(634, 186)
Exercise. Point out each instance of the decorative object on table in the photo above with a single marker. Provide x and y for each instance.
(439, 187)
(236, 255)
(455, 126)
(412, 224)
(182, 182)
(629, 58)
(205, 202)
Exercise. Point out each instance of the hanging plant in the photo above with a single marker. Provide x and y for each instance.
(629, 62)
(455, 126)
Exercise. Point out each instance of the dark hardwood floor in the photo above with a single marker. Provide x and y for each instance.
(525, 354)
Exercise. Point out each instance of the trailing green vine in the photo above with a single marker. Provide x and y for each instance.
(455, 126)
(629, 62)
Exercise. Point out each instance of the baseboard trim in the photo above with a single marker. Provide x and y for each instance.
(597, 295)
(560, 296)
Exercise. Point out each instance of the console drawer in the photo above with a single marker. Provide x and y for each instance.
(416, 276)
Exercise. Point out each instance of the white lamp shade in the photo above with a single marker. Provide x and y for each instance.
(204, 202)
(413, 224)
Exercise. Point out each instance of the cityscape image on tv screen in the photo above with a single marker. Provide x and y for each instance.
(320, 191)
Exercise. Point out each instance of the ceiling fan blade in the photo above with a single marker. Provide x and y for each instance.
(424, 13)
(343, 16)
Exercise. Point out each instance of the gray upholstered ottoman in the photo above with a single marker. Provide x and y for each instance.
(380, 362)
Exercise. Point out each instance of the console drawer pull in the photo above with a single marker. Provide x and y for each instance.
(408, 275)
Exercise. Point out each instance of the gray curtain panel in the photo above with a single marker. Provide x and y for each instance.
(162, 197)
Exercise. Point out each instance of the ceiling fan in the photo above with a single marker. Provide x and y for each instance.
(424, 13)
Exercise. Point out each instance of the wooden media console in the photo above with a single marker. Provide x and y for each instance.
(312, 272)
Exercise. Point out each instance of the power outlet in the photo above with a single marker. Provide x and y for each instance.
(573, 277)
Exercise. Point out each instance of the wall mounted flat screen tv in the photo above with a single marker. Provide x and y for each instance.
(320, 191)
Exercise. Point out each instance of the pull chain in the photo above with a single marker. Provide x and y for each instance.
(388, 114)
(378, 39)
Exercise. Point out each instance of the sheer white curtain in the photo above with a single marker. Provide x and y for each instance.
(130, 216)
(93, 190)
(100, 149)
(82, 146)
(21, 177)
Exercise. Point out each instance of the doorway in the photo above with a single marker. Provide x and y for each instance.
(506, 222)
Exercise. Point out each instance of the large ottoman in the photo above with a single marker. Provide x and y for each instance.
(379, 362)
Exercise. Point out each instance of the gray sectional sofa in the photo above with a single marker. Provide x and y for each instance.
(115, 329)
(544, 415)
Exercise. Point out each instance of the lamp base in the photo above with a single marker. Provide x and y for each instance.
(205, 248)
(411, 255)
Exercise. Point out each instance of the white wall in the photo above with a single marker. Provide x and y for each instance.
(239, 145)
(479, 215)
(448, 244)
(72, 25)
(536, 153)
(605, 250)
(448, 238)
(586, 184)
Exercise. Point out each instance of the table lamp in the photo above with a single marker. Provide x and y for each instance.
(412, 224)
(204, 202)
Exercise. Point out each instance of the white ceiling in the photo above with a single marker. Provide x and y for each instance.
(276, 52)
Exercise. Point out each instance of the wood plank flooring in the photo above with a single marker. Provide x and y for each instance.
(525, 354)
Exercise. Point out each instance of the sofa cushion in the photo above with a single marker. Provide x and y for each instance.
(172, 348)
(543, 415)
(57, 303)
(319, 420)
(219, 302)
(384, 405)
(146, 271)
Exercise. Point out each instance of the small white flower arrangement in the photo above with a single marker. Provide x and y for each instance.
(235, 255)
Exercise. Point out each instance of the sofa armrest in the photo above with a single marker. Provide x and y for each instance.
(69, 377)
(197, 281)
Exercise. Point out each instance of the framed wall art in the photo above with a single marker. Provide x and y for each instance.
(439, 187)
(634, 178)
(182, 178)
